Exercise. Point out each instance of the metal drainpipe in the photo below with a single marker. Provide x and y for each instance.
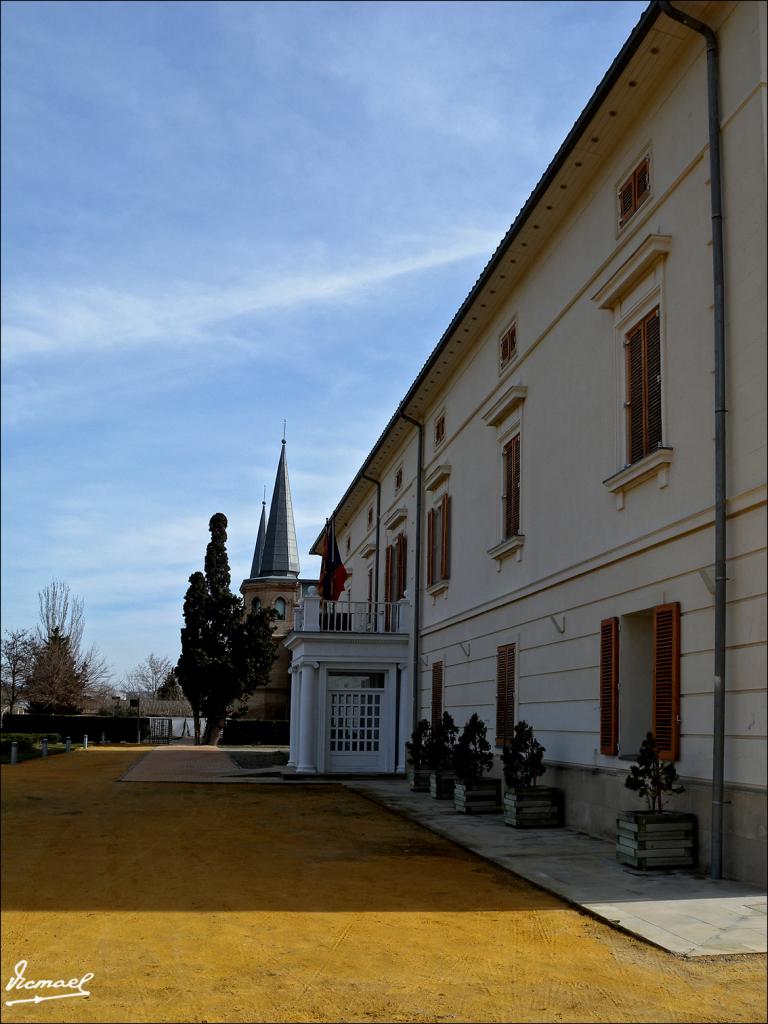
(718, 745)
(417, 571)
(378, 528)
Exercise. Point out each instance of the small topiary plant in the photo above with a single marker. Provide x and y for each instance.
(418, 746)
(522, 758)
(472, 756)
(652, 778)
(439, 748)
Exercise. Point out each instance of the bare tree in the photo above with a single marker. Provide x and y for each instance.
(64, 677)
(148, 676)
(60, 611)
(18, 655)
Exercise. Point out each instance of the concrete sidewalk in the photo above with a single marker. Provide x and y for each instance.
(676, 910)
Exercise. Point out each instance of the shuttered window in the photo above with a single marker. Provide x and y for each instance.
(643, 402)
(609, 686)
(438, 541)
(634, 191)
(437, 693)
(505, 694)
(508, 346)
(401, 577)
(512, 487)
(666, 680)
(439, 429)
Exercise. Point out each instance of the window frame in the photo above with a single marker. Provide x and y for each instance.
(630, 180)
(439, 544)
(509, 716)
(510, 329)
(653, 301)
(508, 446)
(439, 429)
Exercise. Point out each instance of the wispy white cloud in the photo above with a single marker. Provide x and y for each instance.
(58, 320)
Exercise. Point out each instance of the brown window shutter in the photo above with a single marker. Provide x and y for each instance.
(666, 680)
(505, 694)
(388, 574)
(512, 487)
(402, 565)
(445, 537)
(437, 693)
(635, 376)
(609, 686)
(642, 178)
(430, 547)
(627, 200)
(652, 324)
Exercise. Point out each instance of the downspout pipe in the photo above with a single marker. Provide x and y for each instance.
(415, 675)
(716, 200)
(378, 529)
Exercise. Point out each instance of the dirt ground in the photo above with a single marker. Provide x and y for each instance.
(303, 903)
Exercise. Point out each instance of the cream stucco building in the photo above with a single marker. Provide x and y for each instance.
(532, 536)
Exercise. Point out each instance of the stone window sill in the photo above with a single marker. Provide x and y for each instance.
(506, 548)
(438, 587)
(656, 464)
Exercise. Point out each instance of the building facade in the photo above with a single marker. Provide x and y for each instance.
(541, 504)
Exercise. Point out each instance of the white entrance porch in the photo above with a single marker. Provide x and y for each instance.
(351, 696)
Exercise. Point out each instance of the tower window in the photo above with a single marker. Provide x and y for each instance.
(280, 607)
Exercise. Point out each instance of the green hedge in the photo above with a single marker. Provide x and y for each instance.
(24, 742)
(28, 739)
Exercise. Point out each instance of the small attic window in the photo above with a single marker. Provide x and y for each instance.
(370, 516)
(349, 544)
(439, 429)
(398, 478)
(634, 191)
(508, 346)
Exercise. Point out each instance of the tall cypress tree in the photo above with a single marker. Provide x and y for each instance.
(191, 670)
(224, 654)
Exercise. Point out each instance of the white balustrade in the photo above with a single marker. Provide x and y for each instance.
(319, 615)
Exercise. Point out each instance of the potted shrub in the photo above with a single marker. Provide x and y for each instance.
(526, 804)
(655, 838)
(472, 760)
(442, 739)
(417, 768)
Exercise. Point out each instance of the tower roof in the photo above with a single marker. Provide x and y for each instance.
(280, 554)
(259, 549)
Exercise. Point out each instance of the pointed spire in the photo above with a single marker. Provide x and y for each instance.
(259, 550)
(280, 554)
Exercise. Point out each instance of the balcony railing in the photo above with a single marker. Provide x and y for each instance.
(315, 614)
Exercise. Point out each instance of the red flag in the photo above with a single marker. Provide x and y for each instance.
(333, 575)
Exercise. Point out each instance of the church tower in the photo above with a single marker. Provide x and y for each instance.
(274, 582)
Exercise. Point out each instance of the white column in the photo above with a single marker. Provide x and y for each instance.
(406, 717)
(308, 720)
(294, 718)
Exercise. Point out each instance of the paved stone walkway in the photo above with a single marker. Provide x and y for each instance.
(675, 910)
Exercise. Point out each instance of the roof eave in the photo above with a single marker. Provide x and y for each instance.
(598, 97)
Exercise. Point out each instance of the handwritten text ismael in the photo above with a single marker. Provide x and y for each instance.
(20, 982)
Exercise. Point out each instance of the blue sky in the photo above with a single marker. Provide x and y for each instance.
(218, 215)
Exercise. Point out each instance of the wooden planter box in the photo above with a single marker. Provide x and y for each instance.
(441, 784)
(418, 779)
(533, 807)
(478, 797)
(650, 840)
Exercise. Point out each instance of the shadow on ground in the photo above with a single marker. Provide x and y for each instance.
(77, 839)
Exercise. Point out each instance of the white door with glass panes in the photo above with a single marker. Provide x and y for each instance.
(355, 722)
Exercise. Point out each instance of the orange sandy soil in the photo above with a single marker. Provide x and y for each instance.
(304, 903)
